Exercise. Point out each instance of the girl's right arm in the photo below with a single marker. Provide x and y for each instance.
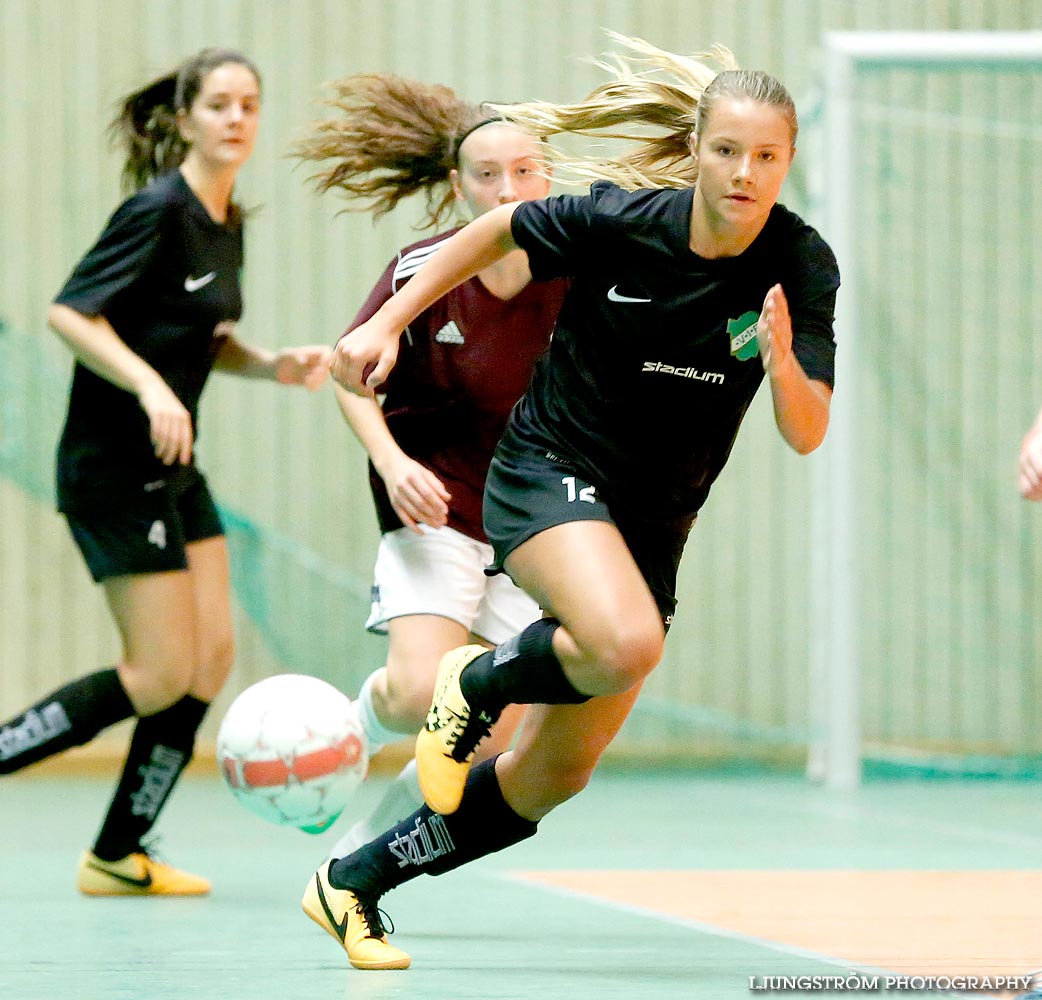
(98, 347)
(416, 493)
(1029, 467)
(364, 358)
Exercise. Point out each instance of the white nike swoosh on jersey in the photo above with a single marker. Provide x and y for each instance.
(194, 284)
(614, 296)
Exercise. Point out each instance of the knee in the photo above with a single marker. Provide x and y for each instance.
(533, 799)
(156, 684)
(216, 659)
(625, 654)
(405, 706)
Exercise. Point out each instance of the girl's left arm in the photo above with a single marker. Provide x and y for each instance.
(307, 366)
(801, 404)
(1029, 467)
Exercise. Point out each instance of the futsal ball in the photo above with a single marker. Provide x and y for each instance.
(291, 750)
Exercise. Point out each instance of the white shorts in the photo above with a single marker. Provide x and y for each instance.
(442, 572)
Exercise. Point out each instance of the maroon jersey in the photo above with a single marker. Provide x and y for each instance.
(462, 365)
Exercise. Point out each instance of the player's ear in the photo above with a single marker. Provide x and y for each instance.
(183, 125)
(457, 188)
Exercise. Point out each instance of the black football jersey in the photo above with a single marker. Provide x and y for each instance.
(164, 274)
(654, 359)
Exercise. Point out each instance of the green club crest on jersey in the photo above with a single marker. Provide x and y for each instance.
(742, 332)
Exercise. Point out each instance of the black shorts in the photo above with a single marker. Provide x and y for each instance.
(530, 489)
(125, 527)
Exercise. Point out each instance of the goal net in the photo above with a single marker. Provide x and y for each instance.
(927, 565)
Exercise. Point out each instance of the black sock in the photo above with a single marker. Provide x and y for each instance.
(160, 750)
(66, 718)
(427, 843)
(521, 671)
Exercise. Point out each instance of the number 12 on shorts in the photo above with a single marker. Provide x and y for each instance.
(583, 493)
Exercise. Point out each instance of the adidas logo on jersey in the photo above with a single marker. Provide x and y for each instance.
(449, 334)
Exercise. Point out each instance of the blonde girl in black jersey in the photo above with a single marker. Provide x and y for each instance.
(690, 287)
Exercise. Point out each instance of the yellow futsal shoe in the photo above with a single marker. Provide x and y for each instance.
(135, 875)
(354, 922)
(446, 744)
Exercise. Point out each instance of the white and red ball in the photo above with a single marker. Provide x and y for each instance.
(291, 750)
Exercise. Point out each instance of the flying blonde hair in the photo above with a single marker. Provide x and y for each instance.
(650, 88)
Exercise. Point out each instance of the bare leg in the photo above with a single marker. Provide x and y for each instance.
(557, 751)
(400, 694)
(163, 739)
(582, 573)
(155, 616)
(214, 634)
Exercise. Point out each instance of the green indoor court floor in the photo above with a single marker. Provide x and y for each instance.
(657, 885)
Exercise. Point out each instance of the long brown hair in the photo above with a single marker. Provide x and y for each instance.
(146, 123)
(391, 137)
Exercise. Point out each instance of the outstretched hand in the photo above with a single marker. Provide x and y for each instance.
(774, 330)
(307, 366)
(1029, 477)
(363, 358)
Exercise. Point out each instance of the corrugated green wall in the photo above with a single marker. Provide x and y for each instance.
(738, 654)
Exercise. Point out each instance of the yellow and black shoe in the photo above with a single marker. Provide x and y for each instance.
(445, 746)
(137, 874)
(354, 921)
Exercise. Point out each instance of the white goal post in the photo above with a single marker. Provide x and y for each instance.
(835, 753)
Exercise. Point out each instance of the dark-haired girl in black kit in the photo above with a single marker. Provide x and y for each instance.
(147, 313)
